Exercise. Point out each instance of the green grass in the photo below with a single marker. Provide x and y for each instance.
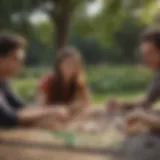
(101, 98)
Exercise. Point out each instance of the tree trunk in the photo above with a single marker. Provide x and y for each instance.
(62, 32)
(61, 18)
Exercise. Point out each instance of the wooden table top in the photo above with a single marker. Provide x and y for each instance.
(30, 152)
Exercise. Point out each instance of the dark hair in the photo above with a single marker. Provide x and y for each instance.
(57, 90)
(151, 36)
(9, 42)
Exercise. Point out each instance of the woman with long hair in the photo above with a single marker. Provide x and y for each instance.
(66, 85)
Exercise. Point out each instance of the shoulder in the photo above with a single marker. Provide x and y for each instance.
(46, 81)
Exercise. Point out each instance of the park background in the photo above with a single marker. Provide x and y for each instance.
(105, 31)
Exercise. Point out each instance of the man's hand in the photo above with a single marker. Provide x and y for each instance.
(137, 122)
(136, 116)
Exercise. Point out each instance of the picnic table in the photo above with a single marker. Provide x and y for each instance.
(36, 144)
(19, 144)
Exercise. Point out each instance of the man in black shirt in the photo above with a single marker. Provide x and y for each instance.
(150, 47)
(13, 112)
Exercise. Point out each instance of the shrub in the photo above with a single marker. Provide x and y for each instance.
(101, 79)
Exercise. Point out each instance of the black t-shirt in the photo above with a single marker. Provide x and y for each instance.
(153, 92)
(9, 104)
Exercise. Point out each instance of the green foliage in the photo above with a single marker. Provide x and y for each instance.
(44, 32)
(26, 88)
(33, 72)
(113, 15)
(121, 51)
(110, 36)
(103, 80)
(110, 19)
(117, 79)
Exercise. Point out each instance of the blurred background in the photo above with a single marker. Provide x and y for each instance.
(105, 31)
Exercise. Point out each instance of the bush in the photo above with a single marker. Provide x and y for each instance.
(33, 72)
(26, 88)
(101, 79)
(107, 79)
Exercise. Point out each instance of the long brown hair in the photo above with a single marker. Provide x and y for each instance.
(58, 89)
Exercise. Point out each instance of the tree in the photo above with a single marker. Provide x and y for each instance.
(113, 14)
(60, 13)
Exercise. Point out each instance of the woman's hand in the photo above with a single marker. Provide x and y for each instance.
(112, 107)
(61, 113)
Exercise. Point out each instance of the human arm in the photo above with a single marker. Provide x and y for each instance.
(32, 114)
(151, 96)
(145, 119)
(144, 102)
(9, 117)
